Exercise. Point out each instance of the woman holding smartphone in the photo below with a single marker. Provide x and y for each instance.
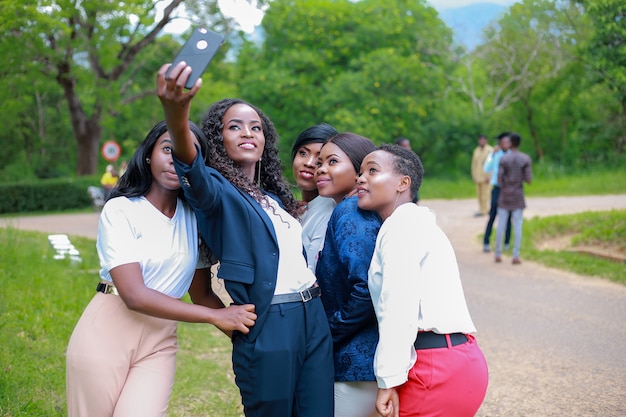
(248, 216)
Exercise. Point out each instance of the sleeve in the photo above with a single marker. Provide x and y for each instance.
(355, 237)
(202, 185)
(116, 236)
(398, 305)
(488, 165)
(528, 171)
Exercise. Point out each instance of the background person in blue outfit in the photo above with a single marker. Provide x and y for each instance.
(342, 275)
(248, 217)
(491, 166)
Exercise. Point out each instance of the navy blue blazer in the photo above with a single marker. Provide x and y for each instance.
(239, 233)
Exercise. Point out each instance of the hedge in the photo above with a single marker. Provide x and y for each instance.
(46, 195)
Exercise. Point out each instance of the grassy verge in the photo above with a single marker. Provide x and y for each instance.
(41, 300)
(605, 231)
(546, 183)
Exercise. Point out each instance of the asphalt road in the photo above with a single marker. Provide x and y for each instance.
(555, 342)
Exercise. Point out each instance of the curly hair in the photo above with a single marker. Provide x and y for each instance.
(271, 178)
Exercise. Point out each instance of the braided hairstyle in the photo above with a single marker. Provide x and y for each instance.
(271, 178)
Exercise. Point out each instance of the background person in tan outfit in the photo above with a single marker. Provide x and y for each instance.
(480, 177)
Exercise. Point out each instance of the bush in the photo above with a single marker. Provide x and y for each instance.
(45, 195)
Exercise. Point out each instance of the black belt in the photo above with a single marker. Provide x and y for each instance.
(430, 340)
(106, 288)
(302, 296)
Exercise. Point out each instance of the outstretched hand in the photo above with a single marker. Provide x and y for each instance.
(171, 90)
(236, 317)
(388, 402)
(176, 103)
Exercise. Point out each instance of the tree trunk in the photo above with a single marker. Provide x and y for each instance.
(531, 127)
(87, 131)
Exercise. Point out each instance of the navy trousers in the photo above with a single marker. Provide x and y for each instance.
(288, 370)
(493, 211)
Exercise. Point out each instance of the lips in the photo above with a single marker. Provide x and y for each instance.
(247, 145)
(307, 175)
(322, 182)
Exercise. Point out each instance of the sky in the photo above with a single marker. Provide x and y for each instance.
(249, 16)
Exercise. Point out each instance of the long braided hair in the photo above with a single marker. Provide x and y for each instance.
(271, 178)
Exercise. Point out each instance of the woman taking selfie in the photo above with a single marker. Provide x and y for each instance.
(248, 217)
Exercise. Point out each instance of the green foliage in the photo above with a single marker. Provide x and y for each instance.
(49, 195)
(598, 229)
(360, 66)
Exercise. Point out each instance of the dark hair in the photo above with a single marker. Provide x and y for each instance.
(272, 180)
(515, 139)
(401, 139)
(502, 135)
(137, 178)
(406, 162)
(314, 134)
(356, 147)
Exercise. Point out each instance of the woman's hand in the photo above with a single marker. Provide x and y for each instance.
(235, 317)
(176, 103)
(388, 402)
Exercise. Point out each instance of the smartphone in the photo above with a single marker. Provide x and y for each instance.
(197, 52)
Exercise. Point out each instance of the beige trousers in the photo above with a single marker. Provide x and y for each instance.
(483, 190)
(120, 363)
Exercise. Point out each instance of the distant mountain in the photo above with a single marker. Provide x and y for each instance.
(468, 22)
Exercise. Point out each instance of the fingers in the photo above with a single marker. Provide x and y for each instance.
(172, 84)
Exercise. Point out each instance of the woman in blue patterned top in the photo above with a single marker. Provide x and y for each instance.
(342, 275)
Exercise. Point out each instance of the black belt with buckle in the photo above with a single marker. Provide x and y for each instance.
(430, 340)
(107, 288)
(302, 296)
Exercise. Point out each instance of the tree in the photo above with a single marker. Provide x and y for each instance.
(94, 51)
(530, 45)
(606, 54)
(361, 66)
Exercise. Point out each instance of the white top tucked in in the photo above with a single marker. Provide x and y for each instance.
(133, 230)
(314, 222)
(293, 273)
(415, 286)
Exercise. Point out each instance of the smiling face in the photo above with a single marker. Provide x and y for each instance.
(244, 140)
(305, 164)
(335, 175)
(380, 188)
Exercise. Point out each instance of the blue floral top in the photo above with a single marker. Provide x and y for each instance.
(342, 275)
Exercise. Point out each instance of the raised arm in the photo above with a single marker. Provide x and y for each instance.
(176, 103)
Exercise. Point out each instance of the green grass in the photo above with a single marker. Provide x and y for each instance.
(41, 300)
(598, 229)
(546, 182)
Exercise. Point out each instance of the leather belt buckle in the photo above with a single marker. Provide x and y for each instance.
(306, 295)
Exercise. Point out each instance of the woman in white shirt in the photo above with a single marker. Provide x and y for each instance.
(426, 363)
(121, 357)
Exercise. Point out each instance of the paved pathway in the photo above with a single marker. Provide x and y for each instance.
(555, 341)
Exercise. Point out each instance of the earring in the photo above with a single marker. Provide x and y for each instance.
(148, 160)
(258, 175)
